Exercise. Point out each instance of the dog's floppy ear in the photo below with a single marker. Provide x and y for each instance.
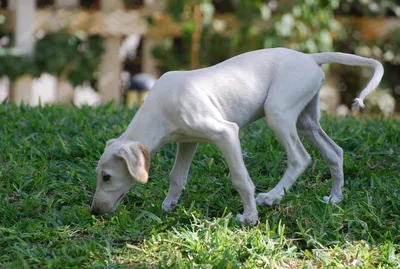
(137, 159)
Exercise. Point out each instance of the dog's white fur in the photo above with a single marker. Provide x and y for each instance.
(211, 105)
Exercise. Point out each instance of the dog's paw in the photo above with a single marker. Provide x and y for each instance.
(169, 205)
(250, 219)
(271, 198)
(333, 199)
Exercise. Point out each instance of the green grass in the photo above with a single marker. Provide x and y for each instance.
(47, 180)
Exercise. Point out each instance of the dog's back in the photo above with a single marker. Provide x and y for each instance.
(237, 87)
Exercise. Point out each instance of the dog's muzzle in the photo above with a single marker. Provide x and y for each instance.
(96, 211)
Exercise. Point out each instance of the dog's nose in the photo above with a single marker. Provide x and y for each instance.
(95, 211)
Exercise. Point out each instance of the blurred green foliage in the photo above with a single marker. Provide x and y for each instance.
(73, 56)
(305, 25)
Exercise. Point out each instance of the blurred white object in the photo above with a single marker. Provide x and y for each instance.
(381, 101)
(86, 95)
(130, 47)
(342, 110)
(44, 90)
(4, 88)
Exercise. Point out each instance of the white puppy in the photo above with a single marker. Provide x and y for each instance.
(211, 105)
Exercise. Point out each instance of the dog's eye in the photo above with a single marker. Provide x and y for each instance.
(106, 178)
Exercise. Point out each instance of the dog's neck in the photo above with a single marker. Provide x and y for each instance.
(147, 129)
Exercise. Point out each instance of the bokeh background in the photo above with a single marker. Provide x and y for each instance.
(96, 51)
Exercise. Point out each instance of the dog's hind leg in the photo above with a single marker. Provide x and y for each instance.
(283, 124)
(308, 126)
(179, 173)
(282, 109)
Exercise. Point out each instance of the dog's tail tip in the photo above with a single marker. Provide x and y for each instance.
(357, 104)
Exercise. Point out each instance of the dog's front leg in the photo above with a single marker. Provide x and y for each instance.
(178, 175)
(229, 144)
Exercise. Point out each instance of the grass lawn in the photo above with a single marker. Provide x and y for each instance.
(47, 181)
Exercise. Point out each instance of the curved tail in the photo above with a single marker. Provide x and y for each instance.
(354, 60)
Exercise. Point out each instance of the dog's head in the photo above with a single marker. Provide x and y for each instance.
(121, 165)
